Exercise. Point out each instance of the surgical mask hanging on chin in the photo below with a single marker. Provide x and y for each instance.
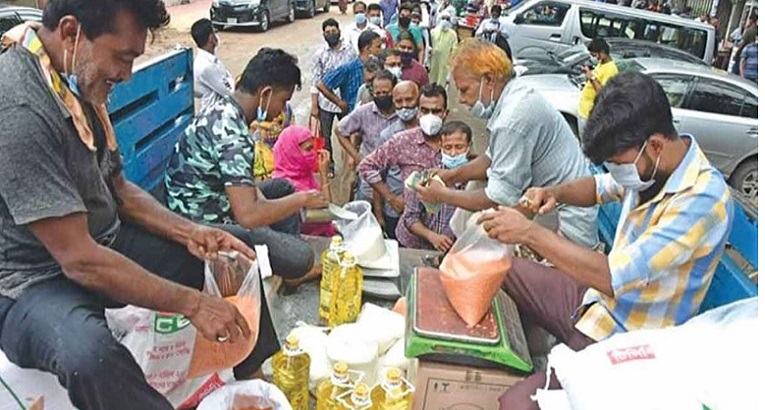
(262, 113)
(479, 109)
(451, 162)
(431, 124)
(627, 175)
(69, 75)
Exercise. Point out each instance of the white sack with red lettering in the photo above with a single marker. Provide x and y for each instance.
(706, 362)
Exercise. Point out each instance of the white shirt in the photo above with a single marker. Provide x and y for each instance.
(487, 24)
(211, 78)
(353, 33)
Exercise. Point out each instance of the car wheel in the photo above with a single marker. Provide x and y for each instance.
(744, 179)
(291, 15)
(326, 6)
(265, 21)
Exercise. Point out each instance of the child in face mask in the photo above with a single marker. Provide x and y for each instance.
(419, 229)
(295, 159)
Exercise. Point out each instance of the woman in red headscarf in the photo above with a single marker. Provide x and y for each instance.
(296, 160)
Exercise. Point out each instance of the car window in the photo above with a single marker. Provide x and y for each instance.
(9, 21)
(717, 97)
(598, 24)
(544, 14)
(750, 106)
(675, 86)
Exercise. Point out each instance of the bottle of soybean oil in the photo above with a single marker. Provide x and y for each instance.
(394, 393)
(357, 399)
(332, 387)
(345, 303)
(291, 373)
(330, 259)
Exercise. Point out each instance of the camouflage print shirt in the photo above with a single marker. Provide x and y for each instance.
(214, 152)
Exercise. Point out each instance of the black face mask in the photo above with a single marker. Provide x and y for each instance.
(384, 102)
(406, 58)
(332, 39)
(404, 21)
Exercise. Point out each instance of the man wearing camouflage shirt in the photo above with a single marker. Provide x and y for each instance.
(210, 175)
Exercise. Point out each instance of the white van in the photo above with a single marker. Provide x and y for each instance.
(553, 25)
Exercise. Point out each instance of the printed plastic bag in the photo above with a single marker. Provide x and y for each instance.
(246, 395)
(235, 278)
(162, 345)
(472, 273)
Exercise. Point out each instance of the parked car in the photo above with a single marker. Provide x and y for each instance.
(251, 13)
(570, 60)
(717, 108)
(308, 8)
(553, 25)
(11, 16)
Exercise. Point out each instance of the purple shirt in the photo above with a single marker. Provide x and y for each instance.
(414, 211)
(389, 9)
(416, 72)
(368, 121)
(408, 150)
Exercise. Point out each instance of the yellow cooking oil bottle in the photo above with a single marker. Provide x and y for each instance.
(356, 399)
(291, 373)
(345, 303)
(393, 393)
(330, 388)
(330, 259)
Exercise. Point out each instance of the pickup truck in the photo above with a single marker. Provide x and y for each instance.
(153, 109)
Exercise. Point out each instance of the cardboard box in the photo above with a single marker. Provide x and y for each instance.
(449, 387)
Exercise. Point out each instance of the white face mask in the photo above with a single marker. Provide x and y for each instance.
(627, 175)
(396, 71)
(431, 124)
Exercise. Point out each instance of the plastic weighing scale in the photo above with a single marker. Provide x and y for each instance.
(435, 332)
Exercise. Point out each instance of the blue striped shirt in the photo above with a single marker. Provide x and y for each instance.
(348, 78)
(665, 250)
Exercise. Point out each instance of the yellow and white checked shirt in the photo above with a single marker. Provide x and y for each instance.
(665, 250)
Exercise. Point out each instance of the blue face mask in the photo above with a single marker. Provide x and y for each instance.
(377, 21)
(69, 75)
(360, 18)
(627, 175)
(451, 162)
(479, 109)
(262, 113)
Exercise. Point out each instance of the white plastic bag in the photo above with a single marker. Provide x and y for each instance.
(348, 343)
(313, 340)
(395, 357)
(707, 362)
(162, 345)
(362, 236)
(237, 395)
(381, 325)
(177, 361)
(28, 384)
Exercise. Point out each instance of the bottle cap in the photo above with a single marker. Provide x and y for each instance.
(336, 240)
(341, 369)
(361, 391)
(349, 259)
(292, 342)
(393, 375)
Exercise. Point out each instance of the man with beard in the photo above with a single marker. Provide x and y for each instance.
(329, 56)
(677, 214)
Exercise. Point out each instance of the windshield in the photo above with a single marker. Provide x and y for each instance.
(629, 65)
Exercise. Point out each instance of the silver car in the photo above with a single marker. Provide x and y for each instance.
(717, 108)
